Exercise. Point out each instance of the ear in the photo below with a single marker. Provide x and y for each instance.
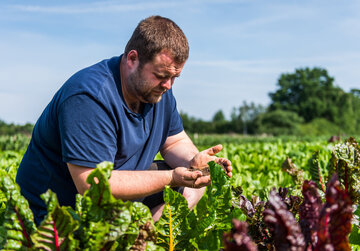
(132, 59)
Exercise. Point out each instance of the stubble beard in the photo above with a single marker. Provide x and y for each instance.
(140, 87)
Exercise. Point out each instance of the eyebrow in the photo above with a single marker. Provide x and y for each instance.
(166, 74)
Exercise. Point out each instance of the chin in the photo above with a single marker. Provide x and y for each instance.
(156, 100)
(152, 99)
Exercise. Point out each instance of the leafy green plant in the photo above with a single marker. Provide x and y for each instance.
(56, 232)
(18, 222)
(100, 222)
(205, 225)
(346, 162)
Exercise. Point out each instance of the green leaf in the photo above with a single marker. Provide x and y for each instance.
(103, 219)
(213, 215)
(346, 162)
(173, 226)
(315, 171)
(141, 232)
(56, 231)
(18, 222)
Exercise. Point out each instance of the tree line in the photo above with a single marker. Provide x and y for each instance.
(13, 129)
(305, 102)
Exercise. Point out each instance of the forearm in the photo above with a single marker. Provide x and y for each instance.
(179, 151)
(129, 185)
(125, 185)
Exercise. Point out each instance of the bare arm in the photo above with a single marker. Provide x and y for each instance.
(179, 150)
(128, 185)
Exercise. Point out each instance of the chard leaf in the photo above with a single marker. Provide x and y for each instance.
(292, 202)
(237, 238)
(315, 171)
(254, 216)
(103, 219)
(285, 230)
(354, 237)
(296, 174)
(173, 226)
(309, 212)
(257, 227)
(335, 218)
(18, 224)
(57, 229)
(141, 231)
(213, 215)
(345, 161)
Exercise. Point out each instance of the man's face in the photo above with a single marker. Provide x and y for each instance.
(150, 82)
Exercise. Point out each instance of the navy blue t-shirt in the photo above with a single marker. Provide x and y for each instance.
(88, 122)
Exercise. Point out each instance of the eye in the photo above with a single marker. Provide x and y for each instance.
(160, 77)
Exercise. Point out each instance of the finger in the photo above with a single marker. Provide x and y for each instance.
(213, 150)
(225, 163)
(202, 181)
(192, 175)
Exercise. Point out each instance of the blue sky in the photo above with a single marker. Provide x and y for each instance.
(238, 49)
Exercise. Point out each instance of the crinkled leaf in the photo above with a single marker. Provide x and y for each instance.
(141, 231)
(335, 218)
(56, 231)
(103, 219)
(173, 227)
(18, 222)
(238, 239)
(296, 174)
(315, 171)
(240, 201)
(292, 202)
(346, 162)
(309, 212)
(213, 215)
(285, 230)
(254, 217)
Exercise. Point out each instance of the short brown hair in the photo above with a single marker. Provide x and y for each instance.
(154, 34)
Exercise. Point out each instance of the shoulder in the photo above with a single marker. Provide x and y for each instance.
(96, 81)
(92, 78)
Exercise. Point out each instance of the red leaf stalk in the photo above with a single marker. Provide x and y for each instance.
(23, 228)
(56, 237)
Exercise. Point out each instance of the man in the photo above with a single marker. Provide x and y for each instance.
(120, 110)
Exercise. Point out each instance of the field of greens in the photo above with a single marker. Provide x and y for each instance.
(285, 194)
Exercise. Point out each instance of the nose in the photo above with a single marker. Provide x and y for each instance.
(167, 83)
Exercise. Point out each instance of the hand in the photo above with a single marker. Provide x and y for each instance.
(201, 160)
(182, 176)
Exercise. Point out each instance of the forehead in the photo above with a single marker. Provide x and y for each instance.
(164, 62)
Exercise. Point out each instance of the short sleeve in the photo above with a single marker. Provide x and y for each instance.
(176, 125)
(87, 132)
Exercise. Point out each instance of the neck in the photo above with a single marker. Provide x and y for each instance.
(131, 101)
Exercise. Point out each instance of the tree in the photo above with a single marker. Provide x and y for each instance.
(306, 92)
(219, 117)
(311, 94)
(243, 118)
(279, 122)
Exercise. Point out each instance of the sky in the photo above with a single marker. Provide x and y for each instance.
(238, 49)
